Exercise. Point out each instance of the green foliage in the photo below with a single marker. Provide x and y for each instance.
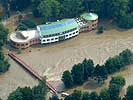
(100, 73)
(100, 29)
(130, 5)
(118, 80)
(126, 21)
(40, 91)
(19, 51)
(94, 96)
(26, 93)
(114, 91)
(104, 94)
(3, 35)
(21, 94)
(116, 8)
(67, 79)
(129, 93)
(77, 74)
(76, 95)
(86, 96)
(29, 23)
(49, 9)
(25, 24)
(22, 27)
(35, 4)
(16, 95)
(88, 66)
(19, 4)
(127, 57)
(54, 97)
(71, 8)
(4, 65)
(82, 71)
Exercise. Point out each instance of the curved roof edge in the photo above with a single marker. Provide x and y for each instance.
(89, 16)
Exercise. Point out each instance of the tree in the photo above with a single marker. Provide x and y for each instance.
(21, 94)
(110, 65)
(35, 4)
(126, 21)
(71, 8)
(19, 4)
(4, 64)
(16, 95)
(40, 91)
(3, 35)
(94, 96)
(67, 79)
(104, 94)
(94, 6)
(100, 73)
(127, 57)
(114, 91)
(76, 95)
(78, 74)
(86, 96)
(118, 80)
(88, 66)
(129, 93)
(26, 93)
(100, 29)
(49, 9)
(54, 97)
(116, 8)
(130, 6)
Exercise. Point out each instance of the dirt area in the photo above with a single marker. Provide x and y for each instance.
(52, 60)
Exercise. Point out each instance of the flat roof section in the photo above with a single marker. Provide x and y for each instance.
(57, 27)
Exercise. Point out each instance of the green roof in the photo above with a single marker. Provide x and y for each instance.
(89, 16)
(57, 27)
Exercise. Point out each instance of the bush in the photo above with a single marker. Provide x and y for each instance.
(101, 29)
(19, 51)
(29, 23)
(25, 24)
(22, 27)
(4, 65)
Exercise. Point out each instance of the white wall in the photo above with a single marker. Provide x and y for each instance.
(56, 38)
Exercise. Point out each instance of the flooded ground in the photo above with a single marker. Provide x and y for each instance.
(52, 60)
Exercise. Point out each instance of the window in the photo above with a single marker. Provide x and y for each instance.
(76, 31)
(56, 38)
(22, 44)
(43, 40)
(48, 39)
(73, 33)
(52, 39)
(70, 34)
(66, 35)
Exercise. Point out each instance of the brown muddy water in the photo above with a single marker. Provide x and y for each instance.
(52, 60)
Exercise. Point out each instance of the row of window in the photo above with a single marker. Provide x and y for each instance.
(94, 25)
(57, 38)
(59, 33)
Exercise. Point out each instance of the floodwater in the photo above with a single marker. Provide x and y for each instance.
(52, 60)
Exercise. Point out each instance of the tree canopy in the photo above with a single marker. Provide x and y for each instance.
(36, 93)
